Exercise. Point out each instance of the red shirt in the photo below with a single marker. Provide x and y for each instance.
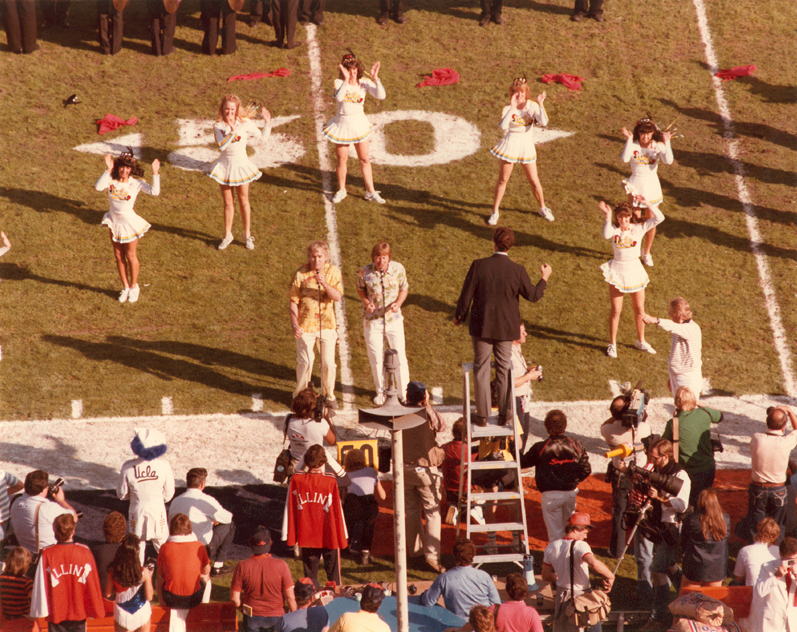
(262, 580)
(180, 564)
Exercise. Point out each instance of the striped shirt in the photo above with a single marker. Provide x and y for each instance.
(15, 595)
(6, 481)
(687, 346)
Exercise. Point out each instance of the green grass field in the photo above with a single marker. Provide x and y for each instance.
(212, 327)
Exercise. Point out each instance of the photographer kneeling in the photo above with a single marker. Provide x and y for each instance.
(661, 526)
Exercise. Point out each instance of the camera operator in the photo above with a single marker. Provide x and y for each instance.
(309, 425)
(618, 430)
(661, 525)
(773, 608)
(33, 514)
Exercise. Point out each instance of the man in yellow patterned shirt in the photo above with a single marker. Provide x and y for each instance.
(315, 288)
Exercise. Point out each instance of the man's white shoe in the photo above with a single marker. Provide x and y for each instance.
(250, 242)
(379, 399)
(339, 196)
(644, 346)
(493, 219)
(546, 213)
(124, 295)
(134, 292)
(647, 260)
(373, 196)
(611, 351)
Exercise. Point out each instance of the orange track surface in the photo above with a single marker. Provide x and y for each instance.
(594, 497)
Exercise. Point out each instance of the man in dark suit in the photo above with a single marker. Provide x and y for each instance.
(490, 293)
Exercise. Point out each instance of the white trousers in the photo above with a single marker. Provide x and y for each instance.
(375, 334)
(693, 380)
(305, 357)
(557, 507)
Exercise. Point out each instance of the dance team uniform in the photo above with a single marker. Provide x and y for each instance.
(131, 609)
(125, 224)
(233, 168)
(517, 145)
(625, 271)
(349, 125)
(644, 165)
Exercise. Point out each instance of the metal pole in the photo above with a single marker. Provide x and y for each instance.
(402, 608)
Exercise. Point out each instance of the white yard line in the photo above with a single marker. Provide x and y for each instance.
(778, 333)
(314, 54)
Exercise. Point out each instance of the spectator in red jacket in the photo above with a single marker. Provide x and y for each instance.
(67, 589)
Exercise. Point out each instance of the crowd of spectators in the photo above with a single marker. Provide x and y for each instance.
(654, 480)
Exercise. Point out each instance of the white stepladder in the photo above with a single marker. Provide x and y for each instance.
(490, 554)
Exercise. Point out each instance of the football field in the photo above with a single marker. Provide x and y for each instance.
(211, 332)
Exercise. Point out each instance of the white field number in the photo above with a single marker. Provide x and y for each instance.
(454, 139)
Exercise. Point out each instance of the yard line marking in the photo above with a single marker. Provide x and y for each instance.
(257, 402)
(765, 281)
(77, 408)
(314, 55)
(167, 407)
(618, 388)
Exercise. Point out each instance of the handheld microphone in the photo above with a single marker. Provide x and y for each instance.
(624, 450)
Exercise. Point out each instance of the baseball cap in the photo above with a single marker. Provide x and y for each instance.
(416, 391)
(260, 542)
(580, 519)
(303, 589)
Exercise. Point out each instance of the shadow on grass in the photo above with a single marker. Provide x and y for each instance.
(43, 202)
(45, 458)
(15, 272)
(151, 357)
(452, 215)
(572, 338)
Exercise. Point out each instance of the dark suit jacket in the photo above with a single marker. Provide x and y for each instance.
(491, 292)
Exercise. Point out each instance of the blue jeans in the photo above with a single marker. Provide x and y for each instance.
(764, 502)
(260, 624)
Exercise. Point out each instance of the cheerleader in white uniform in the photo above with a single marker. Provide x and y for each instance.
(350, 126)
(233, 169)
(517, 145)
(121, 178)
(645, 149)
(625, 273)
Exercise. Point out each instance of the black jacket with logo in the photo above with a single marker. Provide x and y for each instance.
(561, 463)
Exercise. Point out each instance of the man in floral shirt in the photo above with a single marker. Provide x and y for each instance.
(382, 287)
(315, 288)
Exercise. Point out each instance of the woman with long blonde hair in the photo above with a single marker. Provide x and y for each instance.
(233, 169)
(705, 541)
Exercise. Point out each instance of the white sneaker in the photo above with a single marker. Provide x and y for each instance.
(134, 292)
(124, 295)
(225, 242)
(379, 399)
(493, 219)
(647, 260)
(611, 351)
(339, 196)
(546, 213)
(644, 346)
(373, 196)
(250, 243)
